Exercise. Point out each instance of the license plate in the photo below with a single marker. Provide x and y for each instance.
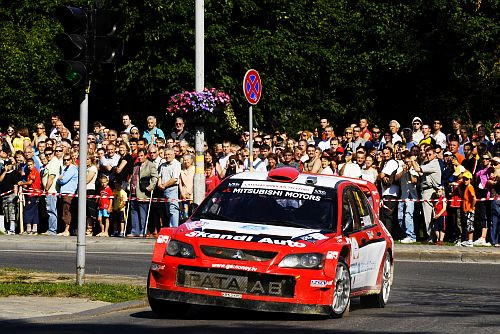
(234, 281)
(214, 281)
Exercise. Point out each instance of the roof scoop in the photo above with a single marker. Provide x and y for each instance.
(283, 174)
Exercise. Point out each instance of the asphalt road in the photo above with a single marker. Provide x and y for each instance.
(109, 262)
(426, 298)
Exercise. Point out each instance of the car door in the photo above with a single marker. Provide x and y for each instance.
(369, 241)
(351, 228)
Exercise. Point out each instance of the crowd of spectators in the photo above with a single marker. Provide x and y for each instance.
(435, 186)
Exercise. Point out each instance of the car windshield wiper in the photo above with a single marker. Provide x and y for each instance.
(211, 215)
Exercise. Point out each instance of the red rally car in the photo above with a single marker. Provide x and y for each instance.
(281, 241)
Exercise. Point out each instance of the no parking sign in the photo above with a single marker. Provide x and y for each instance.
(252, 86)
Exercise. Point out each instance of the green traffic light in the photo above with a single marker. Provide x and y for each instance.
(72, 76)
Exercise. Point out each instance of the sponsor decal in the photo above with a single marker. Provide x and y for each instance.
(193, 225)
(277, 193)
(354, 249)
(233, 266)
(319, 192)
(245, 237)
(316, 283)
(234, 184)
(278, 186)
(162, 239)
(370, 234)
(231, 295)
(157, 267)
(254, 227)
(312, 237)
(330, 255)
(232, 283)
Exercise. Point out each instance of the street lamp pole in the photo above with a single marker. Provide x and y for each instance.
(199, 176)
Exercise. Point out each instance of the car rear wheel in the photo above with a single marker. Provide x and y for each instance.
(380, 299)
(342, 292)
(165, 308)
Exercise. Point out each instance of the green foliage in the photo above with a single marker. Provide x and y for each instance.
(341, 59)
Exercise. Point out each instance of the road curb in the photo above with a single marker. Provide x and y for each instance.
(139, 303)
(447, 255)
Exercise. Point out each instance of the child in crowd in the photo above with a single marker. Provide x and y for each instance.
(439, 215)
(105, 206)
(211, 180)
(32, 185)
(119, 204)
(468, 196)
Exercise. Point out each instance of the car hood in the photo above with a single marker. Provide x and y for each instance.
(216, 230)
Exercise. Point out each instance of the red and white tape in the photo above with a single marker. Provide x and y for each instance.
(31, 192)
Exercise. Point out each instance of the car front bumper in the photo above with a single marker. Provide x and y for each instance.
(254, 305)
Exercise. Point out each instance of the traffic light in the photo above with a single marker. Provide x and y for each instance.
(74, 44)
(107, 46)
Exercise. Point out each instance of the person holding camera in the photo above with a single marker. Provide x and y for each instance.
(9, 178)
(430, 172)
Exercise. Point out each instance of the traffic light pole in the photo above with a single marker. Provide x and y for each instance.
(82, 191)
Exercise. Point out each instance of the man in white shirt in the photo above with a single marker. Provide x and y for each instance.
(438, 136)
(350, 168)
(258, 164)
(389, 189)
(108, 162)
(127, 123)
(329, 134)
(417, 134)
(393, 129)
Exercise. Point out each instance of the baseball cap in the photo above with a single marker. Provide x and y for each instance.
(416, 119)
(339, 150)
(447, 153)
(467, 175)
(459, 170)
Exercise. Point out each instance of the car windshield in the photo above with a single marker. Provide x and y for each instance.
(272, 203)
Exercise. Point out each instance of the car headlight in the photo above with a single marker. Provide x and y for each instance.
(180, 249)
(307, 261)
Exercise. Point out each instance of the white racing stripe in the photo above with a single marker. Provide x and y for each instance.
(256, 229)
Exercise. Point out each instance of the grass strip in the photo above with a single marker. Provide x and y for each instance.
(19, 282)
(112, 293)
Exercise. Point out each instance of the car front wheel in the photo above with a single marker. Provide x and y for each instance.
(341, 295)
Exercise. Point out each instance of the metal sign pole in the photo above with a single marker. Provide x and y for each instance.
(82, 191)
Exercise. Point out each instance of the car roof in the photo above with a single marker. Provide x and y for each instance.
(329, 181)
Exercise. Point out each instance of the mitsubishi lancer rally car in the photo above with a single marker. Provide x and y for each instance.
(281, 241)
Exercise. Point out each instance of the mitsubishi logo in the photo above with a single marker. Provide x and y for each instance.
(238, 255)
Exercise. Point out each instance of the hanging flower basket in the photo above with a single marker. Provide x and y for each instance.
(203, 106)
